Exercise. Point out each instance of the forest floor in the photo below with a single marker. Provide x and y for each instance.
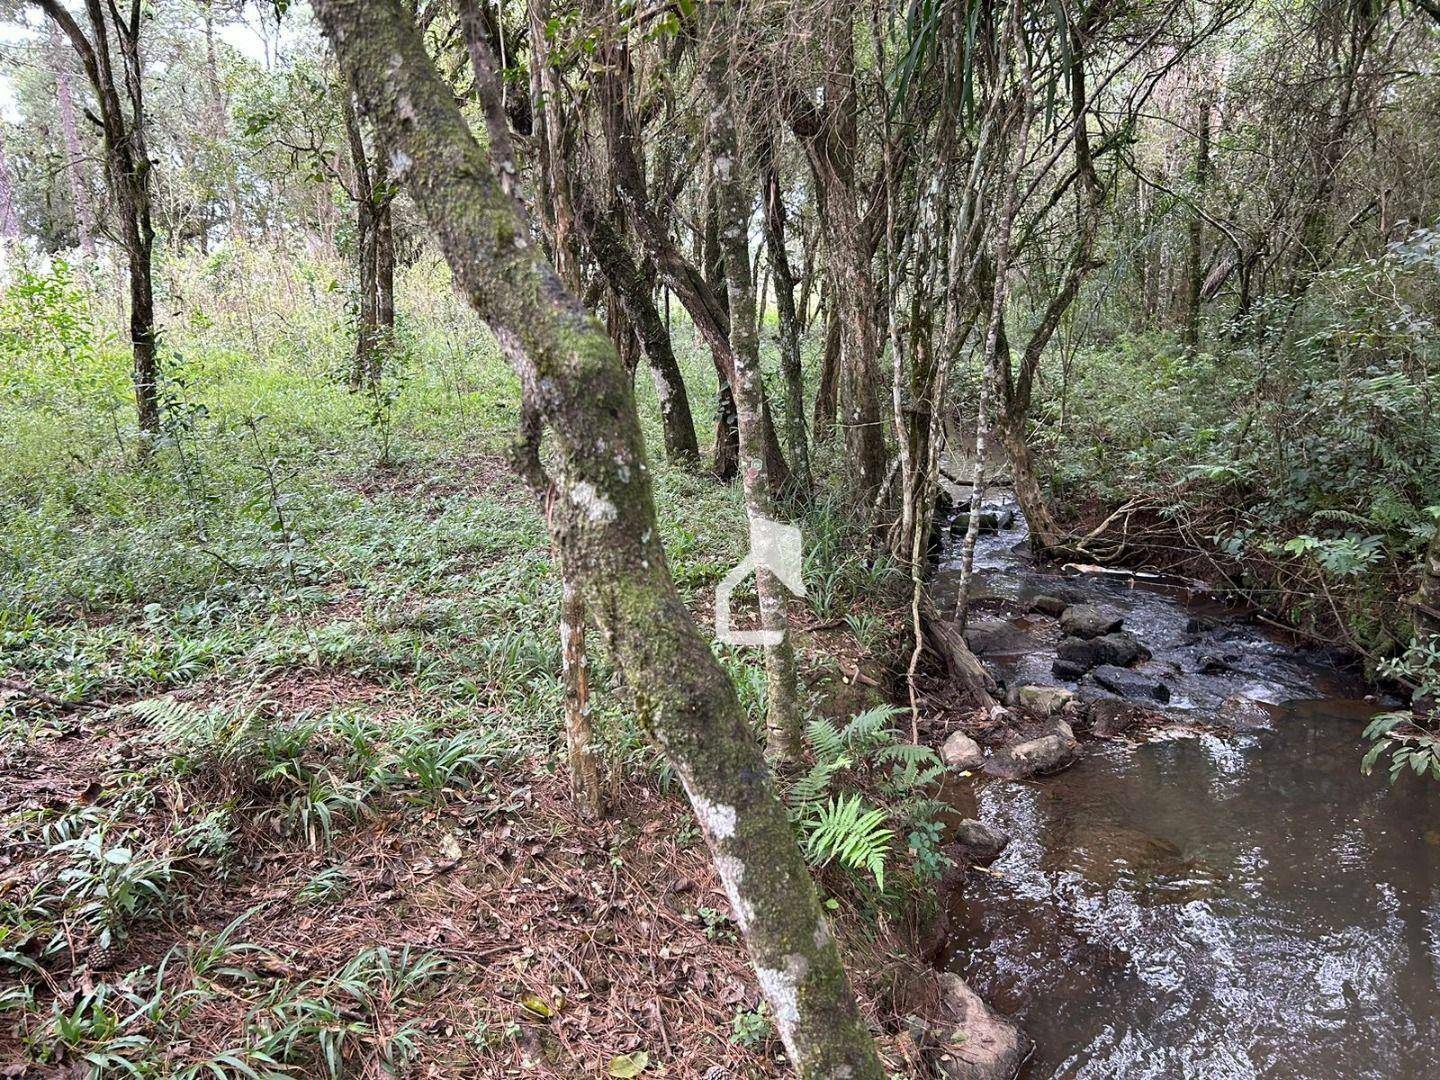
(280, 767)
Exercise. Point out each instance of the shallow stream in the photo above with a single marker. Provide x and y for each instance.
(1204, 905)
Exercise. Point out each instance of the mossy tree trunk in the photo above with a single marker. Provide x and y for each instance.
(603, 522)
(733, 201)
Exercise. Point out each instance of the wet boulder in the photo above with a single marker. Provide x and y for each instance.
(991, 520)
(1218, 660)
(1120, 648)
(1130, 684)
(1044, 701)
(1245, 713)
(976, 843)
(1048, 605)
(1036, 757)
(1111, 716)
(997, 637)
(1078, 651)
(1088, 621)
(962, 752)
(1068, 670)
(980, 1044)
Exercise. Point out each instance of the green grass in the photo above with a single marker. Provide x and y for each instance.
(301, 619)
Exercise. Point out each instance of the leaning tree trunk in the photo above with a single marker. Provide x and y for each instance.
(630, 283)
(733, 214)
(604, 523)
(1045, 532)
(706, 308)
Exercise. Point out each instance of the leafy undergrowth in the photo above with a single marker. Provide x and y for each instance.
(282, 889)
(1296, 464)
(281, 775)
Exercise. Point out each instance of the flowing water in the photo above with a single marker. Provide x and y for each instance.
(1233, 905)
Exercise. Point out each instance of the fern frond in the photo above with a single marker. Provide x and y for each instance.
(849, 832)
(216, 730)
(907, 754)
(825, 739)
(869, 726)
(815, 784)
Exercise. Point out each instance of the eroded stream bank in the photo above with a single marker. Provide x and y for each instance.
(1211, 889)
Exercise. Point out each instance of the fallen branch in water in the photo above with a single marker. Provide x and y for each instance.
(948, 643)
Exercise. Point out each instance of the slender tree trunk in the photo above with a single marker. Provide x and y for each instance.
(362, 367)
(139, 240)
(832, 157)
(384, 345)
(789, 326)
(604, 523)
(127, 170)
(859, 403)
(631, 284)
(1194, 255)
(726, 461)
(551, 144)
(79, 195)
(733, 203)
(9, 222)
(990, 375)
(705, 306)
(584, 771)
(827, 393)
(220, 117)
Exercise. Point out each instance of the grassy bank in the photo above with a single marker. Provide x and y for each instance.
(283, 787)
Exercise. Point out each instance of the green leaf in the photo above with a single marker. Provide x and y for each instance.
(629, 1064)
(535, 1005)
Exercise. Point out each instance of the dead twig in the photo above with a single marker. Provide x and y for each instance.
(41, 696)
